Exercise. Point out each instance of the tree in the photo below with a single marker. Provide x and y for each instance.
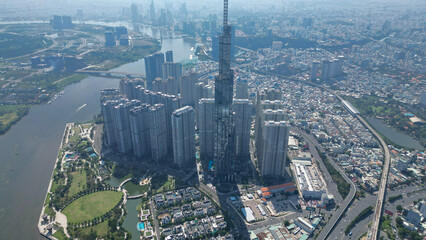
(286, 223)
(399, 208)
(399, 221)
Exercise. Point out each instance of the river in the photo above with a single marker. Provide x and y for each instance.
(28, 151)
(393, 135)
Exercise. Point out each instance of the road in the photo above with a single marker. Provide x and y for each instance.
(353, 211)
(325, 232)
(373, 232)
(312, 142)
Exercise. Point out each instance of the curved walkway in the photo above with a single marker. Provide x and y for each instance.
(62, 220)
(124, 182)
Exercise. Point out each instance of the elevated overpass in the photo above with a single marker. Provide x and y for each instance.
(374, 230)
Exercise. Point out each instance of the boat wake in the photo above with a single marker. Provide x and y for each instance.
(79, 108)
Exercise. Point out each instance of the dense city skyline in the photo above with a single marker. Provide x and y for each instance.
(221, 120)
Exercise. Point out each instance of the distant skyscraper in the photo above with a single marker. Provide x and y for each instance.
(158, 134)
(275, 137)
(187, 88)
(135, 13)
(277, 45)
(152, 12)
(242, 89)
(169, 56)
(183, 11)
(183, 129)
(163, 18)
(153, 68)
(314, 70)
(120, 31)
(242, 109)
(109, 39)
(61, 22)
(205, 123)
(326, 67)
(80, 14)
(332, 68)
(307, 22)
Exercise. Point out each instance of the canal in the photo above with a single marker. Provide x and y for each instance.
(28, 151)
(393, 135)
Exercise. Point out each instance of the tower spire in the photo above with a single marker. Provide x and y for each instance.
(225, 13)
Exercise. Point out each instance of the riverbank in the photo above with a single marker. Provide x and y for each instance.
(32, 87)
(29, 149)
(47, 197)
(79, 202)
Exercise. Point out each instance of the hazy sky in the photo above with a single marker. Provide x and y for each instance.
(46, 8)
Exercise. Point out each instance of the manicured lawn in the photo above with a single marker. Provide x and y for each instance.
(78, 182)
(101, 229)
(76, 137)
(135, 189)
(60, 234)
(91, 206)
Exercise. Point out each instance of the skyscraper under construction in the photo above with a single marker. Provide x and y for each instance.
(224, 152)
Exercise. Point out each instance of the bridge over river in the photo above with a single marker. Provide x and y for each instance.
(112, 74)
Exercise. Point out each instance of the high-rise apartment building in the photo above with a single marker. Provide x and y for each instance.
(332, 68)
(241, 91)
(122, 125)
(202, 91)
(153, 68)
(274, 154)
(168, 85)
(187, 88)
(140, 131)
(158, 134)
(169, 56)
(242, 109)
(314, 70)
(183, 132)
(170, 69)
(205, 123)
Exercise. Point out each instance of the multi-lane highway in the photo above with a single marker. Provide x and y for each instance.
(373, 232)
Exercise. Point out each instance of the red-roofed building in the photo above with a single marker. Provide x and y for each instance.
(266, 194)
(286, 187)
